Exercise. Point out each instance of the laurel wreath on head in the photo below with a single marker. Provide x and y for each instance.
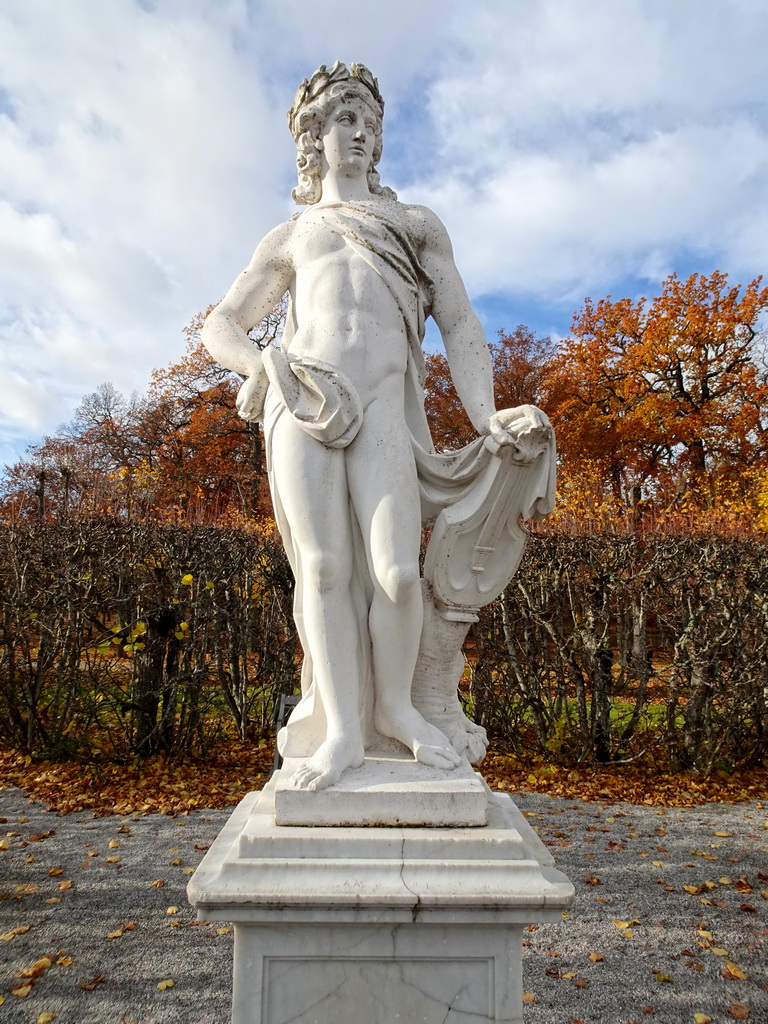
(322, 79)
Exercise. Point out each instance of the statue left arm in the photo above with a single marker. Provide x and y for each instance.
(469, 357)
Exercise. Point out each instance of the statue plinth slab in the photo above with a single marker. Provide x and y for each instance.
(388, 789)
(334, 925)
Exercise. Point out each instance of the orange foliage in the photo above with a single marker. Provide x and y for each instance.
(178, 452)
(521, 364)
(660, 409)
(665, 398)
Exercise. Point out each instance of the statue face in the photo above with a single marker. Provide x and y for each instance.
(348, 138)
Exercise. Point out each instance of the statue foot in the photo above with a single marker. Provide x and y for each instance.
(427, 743)
(325, 766)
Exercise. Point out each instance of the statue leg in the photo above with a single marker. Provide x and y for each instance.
(384, 489)
(312, 486)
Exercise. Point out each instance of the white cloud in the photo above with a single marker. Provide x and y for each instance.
(594, 140)
(145, 152)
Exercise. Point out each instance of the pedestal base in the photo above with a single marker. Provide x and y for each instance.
(388, 789)
(382, 925)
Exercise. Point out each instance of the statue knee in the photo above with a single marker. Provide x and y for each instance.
(325, 572)
(401, 582)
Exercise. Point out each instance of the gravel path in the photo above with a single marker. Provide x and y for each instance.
(99, 906)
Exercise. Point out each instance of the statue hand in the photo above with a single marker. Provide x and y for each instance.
(250, 397)
(525, 429)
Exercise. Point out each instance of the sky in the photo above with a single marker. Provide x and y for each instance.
(572, 149)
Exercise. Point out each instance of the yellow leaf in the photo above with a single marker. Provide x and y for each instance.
(719, 951)
(114, 844)
(623, 925)
(723, 835)
(529, 997)
(46, 1018)
(64, 886)
(113, 860)
(736, 971)
(664, 978)
(187, 579)
(568, 975)
(172, 910)
(701, 1018)
(725, 880)
(223, 931)
(658, 863)
(705, 934)
(596, 957)
(711, 885)
(22, 991)
(4, 844)
(175, 862)
(56, 871)
(168, 983)
(187, 871)
(764, 893)
(694, 890)
(158, 883)
(65, 961)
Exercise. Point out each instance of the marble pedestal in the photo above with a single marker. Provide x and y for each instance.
(343, 925)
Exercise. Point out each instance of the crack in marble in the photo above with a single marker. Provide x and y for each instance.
(417, 905)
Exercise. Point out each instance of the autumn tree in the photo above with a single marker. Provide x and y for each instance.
(521, 364)
(666, 397)
(178, 450)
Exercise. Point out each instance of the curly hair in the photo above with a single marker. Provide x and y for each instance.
(315, 99)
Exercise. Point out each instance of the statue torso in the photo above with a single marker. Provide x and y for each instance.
(346, 313)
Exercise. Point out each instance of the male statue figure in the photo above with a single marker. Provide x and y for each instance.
(351, 464)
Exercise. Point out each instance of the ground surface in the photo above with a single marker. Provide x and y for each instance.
(93, 916)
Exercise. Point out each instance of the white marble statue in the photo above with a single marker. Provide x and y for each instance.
(352, 468)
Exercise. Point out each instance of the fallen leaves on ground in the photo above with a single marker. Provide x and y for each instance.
(161, 785)
(89, 986)
(739, 1010)
(157, 785)
(644, 781)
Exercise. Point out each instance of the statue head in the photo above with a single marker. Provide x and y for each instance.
(316, 98)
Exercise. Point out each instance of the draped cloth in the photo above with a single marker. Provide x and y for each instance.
(324, 402)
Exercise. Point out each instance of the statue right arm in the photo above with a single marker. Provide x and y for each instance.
(255, 292)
